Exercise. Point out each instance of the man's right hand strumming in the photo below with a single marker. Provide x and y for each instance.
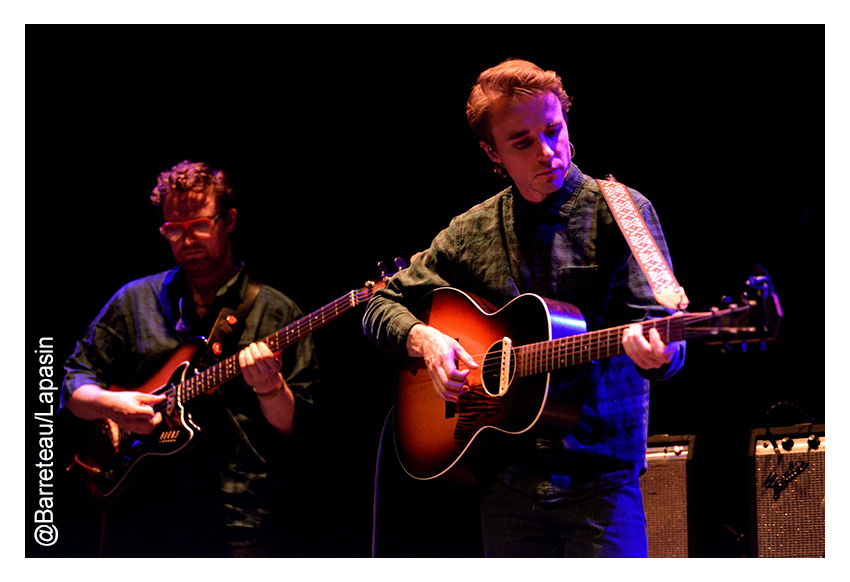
(441, 353)
(132, 411)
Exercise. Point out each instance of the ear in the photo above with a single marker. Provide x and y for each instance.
(491, 153)
(230, 222)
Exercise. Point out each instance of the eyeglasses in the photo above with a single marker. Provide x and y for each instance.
(200, 227)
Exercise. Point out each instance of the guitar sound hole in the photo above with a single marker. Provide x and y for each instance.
(491, 371)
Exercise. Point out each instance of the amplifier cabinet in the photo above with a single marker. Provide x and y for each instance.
(788, 496)
(666, 488)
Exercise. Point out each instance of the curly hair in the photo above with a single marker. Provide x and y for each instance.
(513, 79)
(188, 176)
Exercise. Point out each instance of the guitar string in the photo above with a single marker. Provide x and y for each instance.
(205, 380)
(547, 351)
(567, 347)
(578, 347)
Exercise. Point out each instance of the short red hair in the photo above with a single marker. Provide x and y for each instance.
(514, 79)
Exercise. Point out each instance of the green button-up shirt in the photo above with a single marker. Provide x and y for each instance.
(568, 248)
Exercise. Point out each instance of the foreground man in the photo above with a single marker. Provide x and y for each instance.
(550, 233)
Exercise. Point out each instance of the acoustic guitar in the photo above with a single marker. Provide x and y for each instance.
(517, 348)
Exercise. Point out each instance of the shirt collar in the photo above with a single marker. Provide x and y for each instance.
(173, 291)
(556, 206)
(233, 280)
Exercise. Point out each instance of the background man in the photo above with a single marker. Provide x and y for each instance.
(225, 496)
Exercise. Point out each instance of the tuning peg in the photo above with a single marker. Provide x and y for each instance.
(727, 303)
(400, 263)
(382, 268)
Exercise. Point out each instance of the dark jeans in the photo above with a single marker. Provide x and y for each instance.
(609, 525)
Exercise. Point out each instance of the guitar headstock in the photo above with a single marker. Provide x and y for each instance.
(754, 318)
(373, 286)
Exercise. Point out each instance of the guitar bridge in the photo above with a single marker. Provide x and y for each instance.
(169, 436)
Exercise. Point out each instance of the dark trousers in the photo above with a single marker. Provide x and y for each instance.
(609, 525)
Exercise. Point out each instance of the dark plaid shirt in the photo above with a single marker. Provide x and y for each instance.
(567, 248)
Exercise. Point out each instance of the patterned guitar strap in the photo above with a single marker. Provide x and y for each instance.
(665, 288)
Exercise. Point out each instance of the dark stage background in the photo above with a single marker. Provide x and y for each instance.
(349, 145)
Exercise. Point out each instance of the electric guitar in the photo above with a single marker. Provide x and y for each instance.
(516, 348)
(112, 455)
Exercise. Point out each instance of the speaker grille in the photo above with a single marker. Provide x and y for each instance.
(665, 496)
(790, 496)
